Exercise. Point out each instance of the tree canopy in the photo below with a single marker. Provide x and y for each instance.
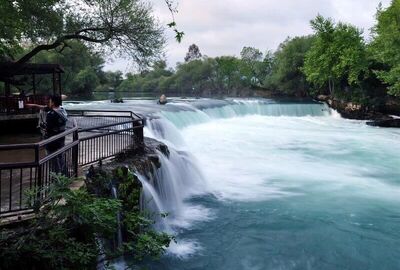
(115, 27)
(334, 60)
(337, 54)
(286, 71)
(385, 47)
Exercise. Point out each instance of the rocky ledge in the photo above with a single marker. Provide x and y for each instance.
(140, 159)
(351, 110)
(393, 123)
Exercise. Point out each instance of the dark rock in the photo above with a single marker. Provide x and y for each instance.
(143, 161)
(352, 110)
(393, 123)
(117, 100)
(163, 149)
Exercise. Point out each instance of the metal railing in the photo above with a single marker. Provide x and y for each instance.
(30, 168)
(109, 132)
(102, 135)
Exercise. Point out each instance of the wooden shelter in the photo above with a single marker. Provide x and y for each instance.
(14, 117)
(9, 73)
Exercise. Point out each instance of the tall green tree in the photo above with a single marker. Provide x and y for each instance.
(286, 75)
(84, 83)
(227, 75)
(385, 47)
(337, 56)
(121, 27)
(251, 64)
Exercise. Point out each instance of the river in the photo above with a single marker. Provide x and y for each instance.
(259, 184)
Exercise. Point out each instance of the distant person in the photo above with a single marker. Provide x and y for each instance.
(162, 100)
(52, 121)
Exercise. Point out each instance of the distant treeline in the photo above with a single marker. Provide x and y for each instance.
(336, 60)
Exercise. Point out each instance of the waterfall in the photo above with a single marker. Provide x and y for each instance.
(151, 204)
(119, 231)
(179, 178)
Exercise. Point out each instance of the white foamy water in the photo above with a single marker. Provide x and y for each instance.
(261, 185)
(263, 157)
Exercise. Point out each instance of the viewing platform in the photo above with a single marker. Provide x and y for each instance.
(92, 136)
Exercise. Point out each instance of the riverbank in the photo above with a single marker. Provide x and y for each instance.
(381, 117)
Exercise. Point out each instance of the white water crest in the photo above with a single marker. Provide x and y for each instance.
(197, 114)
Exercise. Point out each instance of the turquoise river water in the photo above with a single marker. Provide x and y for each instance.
(282, 186)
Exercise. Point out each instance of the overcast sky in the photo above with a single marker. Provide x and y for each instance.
(224, 27)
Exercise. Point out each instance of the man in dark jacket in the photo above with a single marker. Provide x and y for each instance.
(56, 120)
(53, 123)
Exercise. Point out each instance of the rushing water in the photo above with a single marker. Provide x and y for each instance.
(261, 185)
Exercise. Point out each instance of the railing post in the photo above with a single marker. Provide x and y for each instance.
(39, 171)
(138, 131)
(75, 153)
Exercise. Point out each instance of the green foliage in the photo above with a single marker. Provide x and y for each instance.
(201, 76)
(385, 47)
(335, 60)
(84, 83)
(228, 73)
(83, 71)
(288, 61)
(337, 55)
(152, 244)
(122, 27)
(62, 236)
(250, 54)
(69, 224)
(33, 20)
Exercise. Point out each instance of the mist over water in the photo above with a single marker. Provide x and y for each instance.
(279, 186)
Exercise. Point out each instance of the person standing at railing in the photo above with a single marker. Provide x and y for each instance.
(55, 123)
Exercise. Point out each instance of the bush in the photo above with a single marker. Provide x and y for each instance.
(67, 230)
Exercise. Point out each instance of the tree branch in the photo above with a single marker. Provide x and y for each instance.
(59, 42)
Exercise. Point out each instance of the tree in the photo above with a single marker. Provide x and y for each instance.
(286, 75)
(250, 65)
(385, 47)
(27, 20)
(337, 55)
(193, 53)
(228, 74)
(84, 83)
(148, 81)
(250, 54)
(75, 58)
(118, 27)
